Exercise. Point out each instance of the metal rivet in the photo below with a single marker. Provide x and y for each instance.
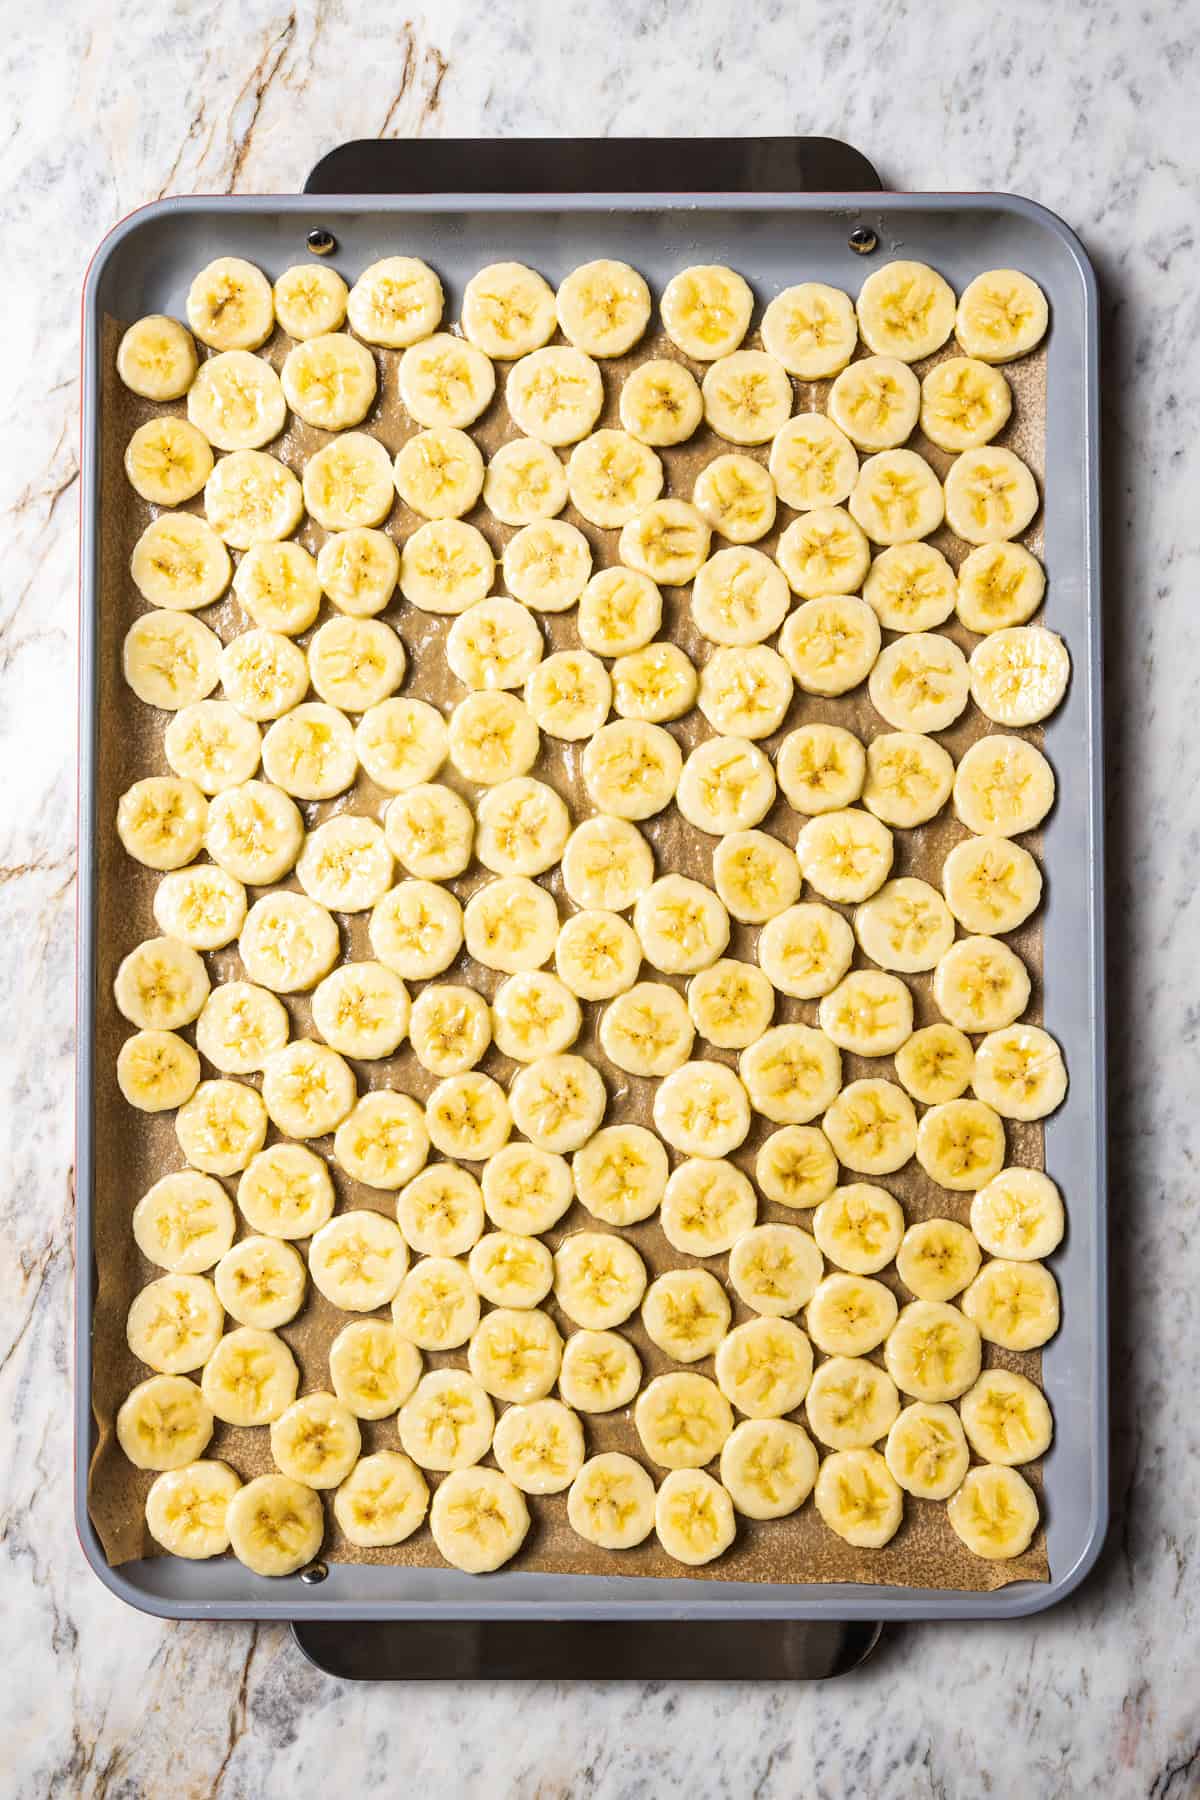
(315, 1573)
(863, 240)
(321, 242)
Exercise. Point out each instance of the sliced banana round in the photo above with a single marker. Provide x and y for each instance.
(911, 587)
(170, 659)
(813, 463)
(682, 1420)
(994, 1512)
(348, 483)
(261, 1281)
(525, 481)
(439, 473)
(620, 1174)
(222, 1126)
(851, 1403)
(1019, 675)
(308, 1090)
(905, 309)
(362, 1010)
(382, 1501)
(180, 563)
(509, 1269)
(508, 310)
(1002, 314)
(745, 693)
(960, 1144)
(599, 1279)
(736, 495)
(601, 1371)
(858, 1498)
(909, 777)
(1018, 1215)
(706, 310)
(747, 396)
(184, 1223)
(286, 1192)
(230, 305)
(920, 682)
(445, 383)
(933, 1352)
(167, 460)
(161, 985)
(401, 743)
(926, 1450)
(727, 784)
(991, 884)
(825, 552)
(263, 674)
(417, 929)
(255, 831)
(534, 1014)
(859, 1228)
(937, 1259)
(812, 329)
(186, 1509)
(511, 924)
(905, 926)
(358, 1260)
(619, 612)
(708, 1204)
(606, 864)
(521, 827)
(449, 1028)
(569, 694)
(897, 498)
(310, 298)
(310, 752)
(964, 404)
(756, 876)
(668, 541)
(430, 831)
(612, 477)
(830, 645)
(845, 855)
(731, 1003)
(201, 906)
(768, 1467)
(805, 950)
(796, 1166)
(440, 1211)
(252, 498)
(647, 1030)
(355, 664)
(935, 1064)
(539, 1446)
(240, 1026)
(603, 307)
(358, 570)
(693, 1517)
(739, 597)
(868, 1013)
(275, 1525)
(447, 1421)
(1003, 785)
(764, 1367)
(611, 1502)
(1019, 1071)
(981, 985)
(250, 1378)
(661, 403)
(681, 924)
(558, 1102)
(372, 1369)
(999, 586)
(555, 395)
(1007, 1418)
(850, 1315)
(436, 1306)
(872, 1127)
(278, 585)
(791, 1073)
(516, 1353)
(775, 1269)
(468, 1116)
(164, 1423)
(876, 402)
(237, 401)
(631, 769)
(395, 301)
(990, 495)
(346, 864)
(156, 358)
(494, 644)
(492, 738)
(288, 943)
(655, 684)
(175, 1323)
(686, 1314)
(478, 1519)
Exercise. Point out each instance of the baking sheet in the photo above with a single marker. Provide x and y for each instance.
(133, 1149)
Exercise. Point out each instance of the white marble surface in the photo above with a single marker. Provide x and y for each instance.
(1090, 108)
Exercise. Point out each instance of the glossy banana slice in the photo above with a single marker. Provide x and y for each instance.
(440, 1211)
(402, 744)
(275, 1525)
(872, 1127)
(1006, 1418)
(372, 1369)
(739, 597)
(619, 612)
(991, 884)
(310, 752)
(905, 309)
(661, 403)
(534, 1014)
(521, 827)
(237, 401)
(737, 497)
(511, 924)
(468, 1117)
(909, 778)
(706, 311)
(812, 329)
(831, 644)
(621, 1174)
(981, 985)
(156, 358)
(417, 929)
(429, 830)
(174, 1324)
(508, 310)
(926, 1450)
(990, 495)
(164, 1423)
(161, 985)
(964, 404)
(186, 1509)
(597, 955)
(286, 1192)
(1019, 675)
(439, 473)
(1018, 1215)
(702, 1109)
(859, 1228)
(382, 1501)
(358, 1260)
(933, 1351)
(184, 1223)
(355, 664)
(478, 1519)
(911, 587)
(824, 552)
(937, 1259)
(222, 1126)
(859, 1499)
(395, 301)
(447, 1421)
(747, 396)
(775, 1269)
(316, 1441)
(255, 831)
(1014, 1304)
(170, 659)
(764, 1367)
(606, 864)
(868, 1013)
(496, 643)
(745, 693)
(756, 877)
(345, 864)
(358, 570)
(905, 926)
(707, 1206)
(920, 683)
(436, 1306)
(569, 695)
(611, 1502)
(230, 305)
(851, 1403)
(261, 1282)
(167, 460)
(288, 942)
(180, 563)
(727, 785)
(668, 542)
(845, 855)
(876, 402)
(791, 1073)
(656, 683)
(850, 1315)
(362, 1010)
(526, 1190)
(693, 1516)
(813, 463)
(935, 1064)
(558, 1102)
(310, 298)
(603, 307)
(994, 1512)
(682, 1420)
(768, 1467)
(445, 383)
(796, 1167)
(511, 1270)
(555, 395)
(250, 1378)
(1002, 315)
(263, 674)
(686, 1313)
(492, 738)
(960, 1144)
(631, 769)
(539, 1446)
(599, 1279)
(1003, 785)
(525, 481)
(516, 1354)
(202, 907)
(601, 1371)
(308, 1090)
(348, 483)
(278, 585)
(252, 498)
(999, 586)
(897, 498)
(731, 1004)
(611, 477)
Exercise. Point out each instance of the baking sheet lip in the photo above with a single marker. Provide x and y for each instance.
(807, 1600)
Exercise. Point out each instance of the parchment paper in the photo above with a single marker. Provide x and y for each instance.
(133, 1149)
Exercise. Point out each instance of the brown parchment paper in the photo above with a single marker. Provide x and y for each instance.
(134, 1149)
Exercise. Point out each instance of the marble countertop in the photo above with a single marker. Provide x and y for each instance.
(113, 103)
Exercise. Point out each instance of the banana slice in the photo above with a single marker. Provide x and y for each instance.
(791, 1073)
(358, 570)
(288, 943)
(805, 950)
(1002, 314)
(845, 855)
(668, 541)
(184, 1223)
(275, 1525)
(859, 1228)
(402, 743)
(255, 831)
(813, 463)
(478, 1519)
(447, 1422)
(796, 1167)
(775, 1270)
(511, 1270)
(468, 1116)
(747, 396)
(508, 310)
(686, 1313)
(167, 460)
(1019, 675)
(164, 1423)
(706, 311)
(731, 1004)
(1003, 785)
(737, 497)
(511, 924)
(933, 1352)
(906, 310)
(708, 1204)
(648, 1030)
(745, 693)
(202, 907)
(631, 769)
(496, 643)
(450, 1028)
(555, 395)
(382, 1501)
(1018, 1215)
(522, 827)
(252, 498)
(349, 482)
(310, 299)
(240, 1026)
(872, 1127)
(558, 1102)
(430, 830)
(161, 985)
(727, 785)
(174, 1324)
(897, 498)
(739, 598)
(960, 1144)
(858, 1498)
(851, 1403)
(756, 877)
(850, 1315)
(222, 1126)
(825, 552)
(620, 1174)
(308, 1089)
(964, 404)
(599, 1279)
(525, 481)
(355, 664)
(186, 1509)
(831, 645)
(395, 301)
(619, 612)
(905, 926)
(230, 305)
(999, 586)
(994, 1512)
(286, 1192)
(868, 1013)
(417, 929)
(682, 1420)
(661, 403)
(156, 358)
(440, 1211)
(1014, 1304)
(991, 884)
(261, 1282)
(926, 1451)
(1006, 1418)
(606, 864)
(310, 751)
(909, 777)
(569, 694)
(612, 477)
(764, 1367)
(812, 329)
(170, 659)
(515, 1354)
(358, 1260)
(250, 1378)
(372, 1369)
(180, 563)
(935, 1064)
(611, 1502)
(540, 1446)
(436, 1305)
(278, 585)
(603, 307)
(693, 1517)
(263, 674)
(439, 473)
(492, 738)
(911, 587)
(345, 864)
(656, 683)
(361, 1010)
(444, 382)
(534, 1014)
(681, 925)
(600, 1373)
(920, 683)
(876, 402)
(768, 1467)
(237, 401)
(990, 495)
(981, 985)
